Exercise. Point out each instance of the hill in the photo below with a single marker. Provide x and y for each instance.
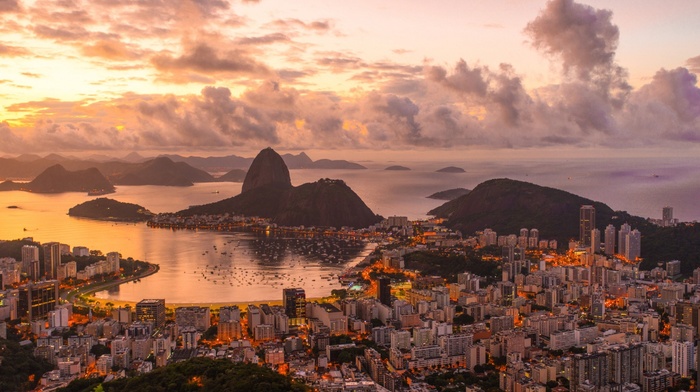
(197, 374)
(397, 167)
(56, 179)
(267, 170)
(161, 171)
(336, 164)
(234, 175)
(506, 206)
(268, 192)
(449, 194)
(450, 169)
(109, 209)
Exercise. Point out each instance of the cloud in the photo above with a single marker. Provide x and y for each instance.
(263, 40)
(693, 64)
(204, 59)
(111, 50)
(9, 6)
(12, 51)
(319, 26)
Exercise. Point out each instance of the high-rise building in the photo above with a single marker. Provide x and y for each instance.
(52, 259)
(633, 248)
(30, 253)
(683, 357)
(667, 216)
(586, 224)
(36, 300)
(610, 240)
(384, 291)
(622, 238)
(595, 240)
(151, 310)
(673, 268)
(294, 302)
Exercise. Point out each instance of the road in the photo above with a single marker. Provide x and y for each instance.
(70, 296)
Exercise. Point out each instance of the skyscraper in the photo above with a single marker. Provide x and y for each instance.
(36, 300)
(683, 356)
(52, 259)
(622, 238)
(30, 253)
(151, 310)
(595, 240)
(634, 245)
(586, 224)
(610, 240)
(384, 291)
(667, 216)
(294, 302)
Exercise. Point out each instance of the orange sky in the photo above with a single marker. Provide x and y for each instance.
(220, 76)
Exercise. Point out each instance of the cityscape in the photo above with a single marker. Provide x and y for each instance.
(401, 196)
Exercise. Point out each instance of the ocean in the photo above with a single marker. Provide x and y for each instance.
(195, 269)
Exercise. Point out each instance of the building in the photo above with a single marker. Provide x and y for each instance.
(673, 268)
(52, 259)
(610, 240)
(198, 317)
(633, 248)
(595, 240)
(384, 291)
(622, 238)
(151, 310)
(683, 358)
(667, 216)
(30, 254)
(294, 303)
(586, 224)
(36, 300)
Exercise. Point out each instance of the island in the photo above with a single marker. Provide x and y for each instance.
(449, 194)
(110, 209)
(397, 167)
(450, 169)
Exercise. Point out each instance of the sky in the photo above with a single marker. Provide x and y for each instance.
(219, 76)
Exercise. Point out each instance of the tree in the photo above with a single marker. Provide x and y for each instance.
(340, 293)
(463, 319)
(376, 323)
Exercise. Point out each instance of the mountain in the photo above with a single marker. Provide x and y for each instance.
(506, 206)
(335, 164)
(268, 192)
(450, 169)
(235, 175)
(57, 179)
(267, 170)
(325, 202)
(213, 164)
(10, 186)
(397, 167)
(161, 171)
(300, 161)
(110, 209)
(449, 194)
(134, 157)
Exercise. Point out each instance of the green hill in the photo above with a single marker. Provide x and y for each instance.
(109, 209)
(197, 374)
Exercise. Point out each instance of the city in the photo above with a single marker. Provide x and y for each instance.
(579, 318)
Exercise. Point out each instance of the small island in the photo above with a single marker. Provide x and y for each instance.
(110, 209)
(449, 194)
(451, 169)
(397, 167)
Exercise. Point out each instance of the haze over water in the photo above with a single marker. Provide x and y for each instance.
(641, 187)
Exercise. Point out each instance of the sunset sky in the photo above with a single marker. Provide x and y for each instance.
(220, 77)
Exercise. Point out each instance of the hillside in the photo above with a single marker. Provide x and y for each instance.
(449, 194)
(234, 175)
(56, 179)
(161, 171)
(506, 206)
(109, 209)
(268, 192)
(197, 374)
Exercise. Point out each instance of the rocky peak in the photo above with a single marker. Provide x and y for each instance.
(268, 169)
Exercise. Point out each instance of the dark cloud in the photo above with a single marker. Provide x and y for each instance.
(584, 38)
(263, 40)
(203, 58)
(463, 79)
(9, 6)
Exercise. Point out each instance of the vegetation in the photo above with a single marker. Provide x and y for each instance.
(110, 209)
(19, 370)
(449, 265)
(198, 374)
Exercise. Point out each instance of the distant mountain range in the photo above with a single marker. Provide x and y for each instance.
(56, 179)
(28, 166)
(268, 192)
